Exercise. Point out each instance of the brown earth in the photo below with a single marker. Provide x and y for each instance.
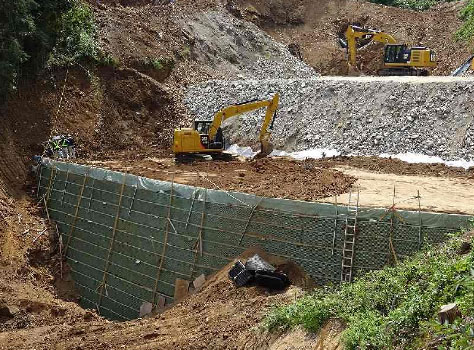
(315, 27)
(264, 177)
(219, 316)
(396, 166)
(132, 109)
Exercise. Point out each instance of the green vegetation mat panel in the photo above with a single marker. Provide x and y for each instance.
(127, 238)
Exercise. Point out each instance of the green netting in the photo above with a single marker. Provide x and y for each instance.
(116, 254)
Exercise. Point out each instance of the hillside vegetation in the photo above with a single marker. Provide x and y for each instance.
(395, 308)
(35, 34)
(466, 32)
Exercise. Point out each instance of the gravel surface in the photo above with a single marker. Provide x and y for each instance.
(360, 116)
(239, 49)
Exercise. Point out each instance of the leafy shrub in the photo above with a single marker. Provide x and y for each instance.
(76, 37)
(38, 32)
(385, 309)
(158, 63)
(466, 32)
(16, 24)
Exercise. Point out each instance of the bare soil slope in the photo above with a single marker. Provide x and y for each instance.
(316, 25)
(220, 316)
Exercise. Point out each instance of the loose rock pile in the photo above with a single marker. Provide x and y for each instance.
(361, 116)
(237, 48)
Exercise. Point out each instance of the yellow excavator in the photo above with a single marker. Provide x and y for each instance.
(399, 59)
(206, 137)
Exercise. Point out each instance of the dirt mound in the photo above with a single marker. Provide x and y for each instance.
(323, 20)
(219, 316)
(263, 177)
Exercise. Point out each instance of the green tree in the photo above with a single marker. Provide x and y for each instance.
(34, 33)
(16, 25)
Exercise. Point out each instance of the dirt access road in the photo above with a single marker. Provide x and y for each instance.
(440, 194)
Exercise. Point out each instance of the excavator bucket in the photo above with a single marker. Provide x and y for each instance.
(266, 147)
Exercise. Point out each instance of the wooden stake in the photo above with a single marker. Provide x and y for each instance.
(74, 221)
(102, 286)
(448, 313)
(165, 243)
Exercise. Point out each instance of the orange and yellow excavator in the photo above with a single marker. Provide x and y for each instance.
(399, 59)
(206, 137)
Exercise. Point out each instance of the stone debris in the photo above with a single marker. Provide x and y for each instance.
(357, 116)
(8, 311)
(239, 49)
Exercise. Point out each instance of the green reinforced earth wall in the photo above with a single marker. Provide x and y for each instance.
(127, 238)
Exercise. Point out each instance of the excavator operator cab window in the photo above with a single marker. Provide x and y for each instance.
(397, 54)
(202, 126)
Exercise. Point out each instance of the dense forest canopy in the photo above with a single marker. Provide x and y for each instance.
(35, 33)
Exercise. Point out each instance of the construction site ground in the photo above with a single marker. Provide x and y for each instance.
(441, 188)
(219, 316)
(123, 118)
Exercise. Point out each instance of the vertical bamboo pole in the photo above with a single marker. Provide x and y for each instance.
(199, 239)
(74, 220)
(165, 243)
(102, 285)
(38, 188)
(335, 225)
(420, 220)
(65, 186)
(390, 244)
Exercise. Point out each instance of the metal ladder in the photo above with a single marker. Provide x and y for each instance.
(349, 237)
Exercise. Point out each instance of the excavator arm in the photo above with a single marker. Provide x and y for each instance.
(238, 109)
(354, 33)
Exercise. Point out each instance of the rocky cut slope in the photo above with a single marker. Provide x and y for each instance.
(361, 116)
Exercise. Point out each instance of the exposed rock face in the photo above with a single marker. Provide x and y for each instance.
(362, 116)
(239, 48)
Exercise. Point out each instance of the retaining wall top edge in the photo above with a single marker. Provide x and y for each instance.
(298, 207)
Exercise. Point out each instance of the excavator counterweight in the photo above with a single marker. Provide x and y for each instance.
(206, 137)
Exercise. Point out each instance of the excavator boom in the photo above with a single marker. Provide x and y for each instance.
(354, 33)
(238, 109)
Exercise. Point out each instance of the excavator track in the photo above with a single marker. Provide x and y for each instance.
(390, 72)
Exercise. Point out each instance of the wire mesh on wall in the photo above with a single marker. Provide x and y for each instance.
(127, 239)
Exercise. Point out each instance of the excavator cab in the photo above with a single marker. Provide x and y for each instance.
(396, 54)
(404, 60)
(202, 127)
